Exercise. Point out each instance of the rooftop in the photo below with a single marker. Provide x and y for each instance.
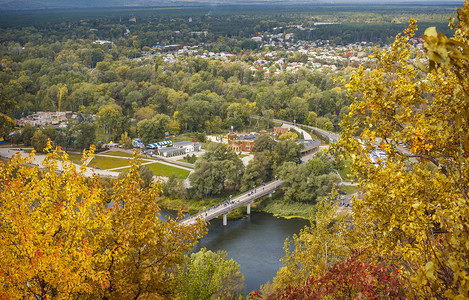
(184, 143)
(309, 143)
(246, 137)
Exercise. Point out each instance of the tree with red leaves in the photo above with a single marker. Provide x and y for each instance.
(351, 279)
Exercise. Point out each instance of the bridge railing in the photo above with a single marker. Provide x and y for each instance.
(239, 200)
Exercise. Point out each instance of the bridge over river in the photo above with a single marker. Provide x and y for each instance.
(225, 207)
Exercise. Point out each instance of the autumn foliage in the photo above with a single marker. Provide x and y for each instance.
(411, 221)
(351, 279)
(415, 106)
(64, 236)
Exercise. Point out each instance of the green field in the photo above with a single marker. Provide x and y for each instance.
(119, 153)
(75, 158)
(105, 163)
(165, 170)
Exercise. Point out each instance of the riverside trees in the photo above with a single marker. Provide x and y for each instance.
(63, 236)
(413, 215)
(209, 275)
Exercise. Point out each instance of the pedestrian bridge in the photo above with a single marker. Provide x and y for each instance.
(226, 207)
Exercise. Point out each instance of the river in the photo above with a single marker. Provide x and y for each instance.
(255, 242)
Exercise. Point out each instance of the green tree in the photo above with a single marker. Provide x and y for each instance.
(151, 130)
(158, 62)
(17, 113)
(264, 142)
(126, 141)
(174, 187)
(86, 135)
(66, 138)
(25, 111)
(208, 178)
(267, 117)
(144, 113)
(286, 150)
(6, 125)
(39, 141)
(258, 170)
(297, 109)
(209, 275)
(303, 185)
(193, 114)
(108, 117)
(230, 164)
(174, 127)
(16, 138)
(27, 133)
(144, 173)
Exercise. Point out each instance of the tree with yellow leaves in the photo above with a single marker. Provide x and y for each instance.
(314, 249)
(63, 236)
(416, 203)
(408, 234)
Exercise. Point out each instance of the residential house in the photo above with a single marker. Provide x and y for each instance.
(280, 130)
(242, 142)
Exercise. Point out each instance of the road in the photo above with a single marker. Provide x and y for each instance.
(333, 137)
(306, 135)
(90, 171)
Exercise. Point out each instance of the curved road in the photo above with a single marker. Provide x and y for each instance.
(331, 135)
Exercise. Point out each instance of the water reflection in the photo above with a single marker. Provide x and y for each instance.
(255, 242)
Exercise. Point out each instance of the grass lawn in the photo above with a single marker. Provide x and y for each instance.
(345, 171)
(75, 158)
(165, 170)
(119, 153)
(242, 155)
(184, 160)
(105, 163)
(349, 189)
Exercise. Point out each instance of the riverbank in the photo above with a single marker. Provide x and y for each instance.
(277, 207)
(274, 206)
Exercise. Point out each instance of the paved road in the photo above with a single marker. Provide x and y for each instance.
(90, 171)
(331, 135)
(306, 135)
(39, 159)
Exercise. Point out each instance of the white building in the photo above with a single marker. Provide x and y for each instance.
(187, 146)
(102, 42)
